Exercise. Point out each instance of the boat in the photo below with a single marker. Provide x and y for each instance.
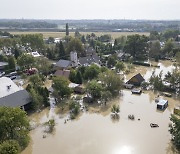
(154, 125)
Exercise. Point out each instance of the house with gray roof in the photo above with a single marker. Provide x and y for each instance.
(88, 60)
(11, 95)
(63, 64)
(90, 51)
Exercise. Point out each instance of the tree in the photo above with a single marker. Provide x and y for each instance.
(136, 45)
(36, 80)
(72, 76)
(43, 65)
(51, 40)
(16, 53)
(111, 82)
(178, 58)
(77, 34)
(78, 77)
(14, 126)
(120, 66)
(35, 40)
(94, 89)
(115, 109)
(67, 29)
(155, 49)
(91, 72)
(26, 61)
(9, 147)
(61, 51)
(11, 62)
(154, 35)
(175, 131)
(156, 81)
(37, 99)
(169, 45)
(111, 61)
(83, 40)
(60, 84)
(75, 44)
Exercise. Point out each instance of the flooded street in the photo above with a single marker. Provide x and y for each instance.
(96, 132)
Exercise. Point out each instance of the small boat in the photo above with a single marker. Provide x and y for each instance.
(154, 125)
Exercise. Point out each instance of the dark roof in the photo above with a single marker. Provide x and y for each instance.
(63, 63)
(90, 50)
(17, 99)
(138, 77)
(64, 73)
(89, 60)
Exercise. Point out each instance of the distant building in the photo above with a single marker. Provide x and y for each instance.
(90, 51)
(75, 61)
(136, 80)
(13, 96)
(63, 64)
(88, 60)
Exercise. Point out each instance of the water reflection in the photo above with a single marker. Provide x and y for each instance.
(123, 150)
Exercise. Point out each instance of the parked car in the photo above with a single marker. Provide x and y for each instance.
(2, 73)
(13, 77)
(31, 71)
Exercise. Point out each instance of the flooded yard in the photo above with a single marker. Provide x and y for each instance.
(96, 132)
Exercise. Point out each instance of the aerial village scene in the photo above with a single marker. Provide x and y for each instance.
(89, 87)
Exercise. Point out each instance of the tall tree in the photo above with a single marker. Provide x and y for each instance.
(67, 29)
(75, 44)
(26, 61)
(155, 49)
(12, 63)
(61, 50)
(136, 45)
(78, 77)
(60, 85)
(94, 89)
(16, 53)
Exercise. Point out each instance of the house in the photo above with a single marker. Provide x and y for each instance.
(3, 65)
(162, 104)
(62, 73)
(62, 64)
(88, 60)
(13, 96)
(90, 51)
(136, 80)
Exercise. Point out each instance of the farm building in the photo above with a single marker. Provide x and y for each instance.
(136, 80)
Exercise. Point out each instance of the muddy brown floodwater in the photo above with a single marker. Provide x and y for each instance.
(95, 132)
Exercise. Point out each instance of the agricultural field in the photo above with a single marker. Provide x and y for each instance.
(62, 34)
